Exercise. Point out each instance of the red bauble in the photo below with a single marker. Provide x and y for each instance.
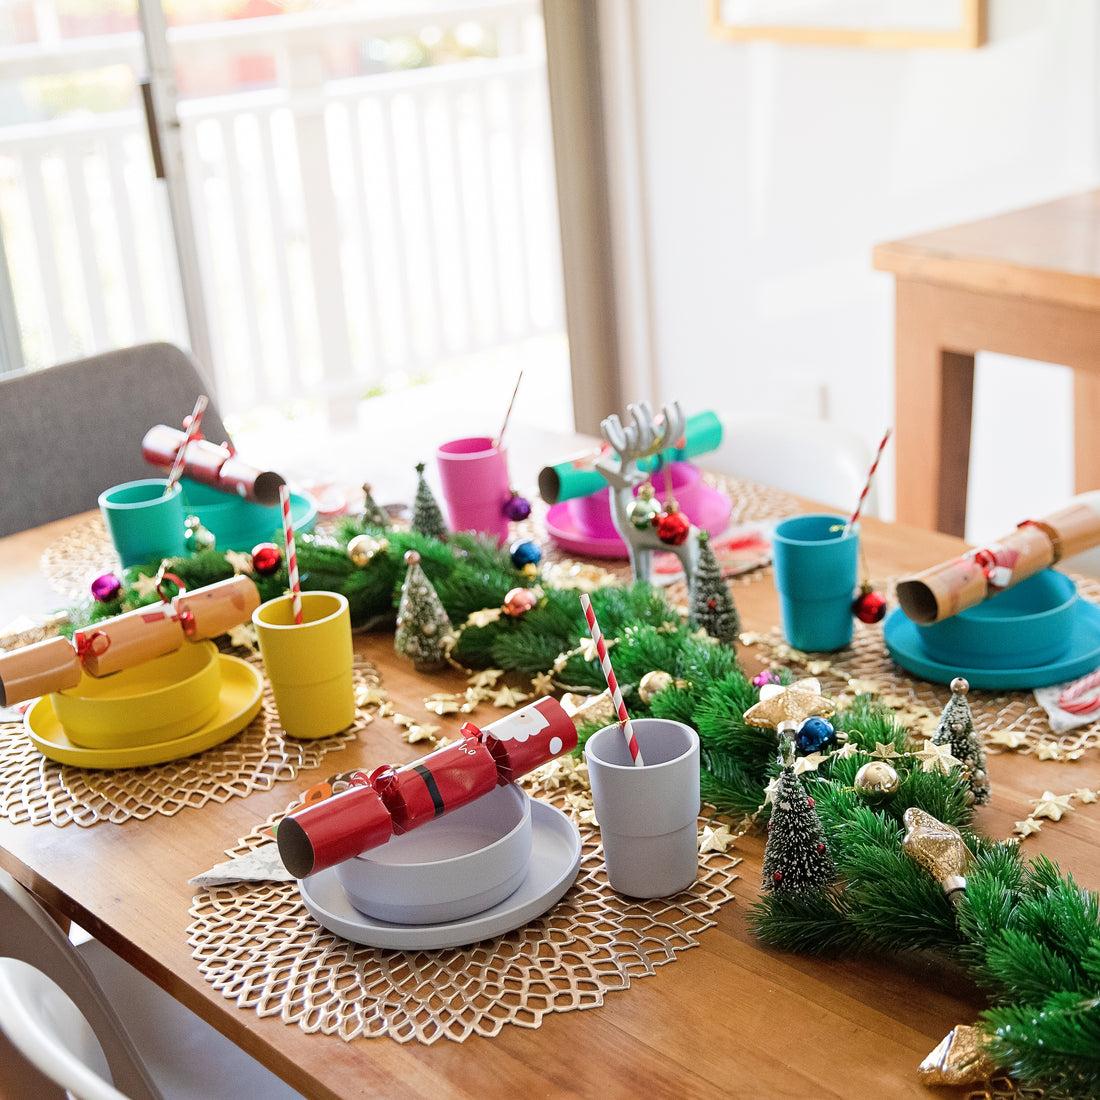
(869, 606)
(266, 558)
(672, 528)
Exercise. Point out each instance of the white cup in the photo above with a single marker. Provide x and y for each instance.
(648, 815)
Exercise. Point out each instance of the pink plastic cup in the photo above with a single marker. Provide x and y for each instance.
(474, 476)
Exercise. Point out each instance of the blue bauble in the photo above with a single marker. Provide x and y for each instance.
(524, 552)
(813, 734)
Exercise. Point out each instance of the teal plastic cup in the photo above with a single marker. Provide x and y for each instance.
(145, 524)
(815, 567)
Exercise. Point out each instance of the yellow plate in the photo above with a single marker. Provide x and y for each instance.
(242, 688)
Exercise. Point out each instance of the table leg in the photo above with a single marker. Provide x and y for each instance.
(934, 398)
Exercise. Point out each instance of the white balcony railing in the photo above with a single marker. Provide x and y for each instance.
(350, 231)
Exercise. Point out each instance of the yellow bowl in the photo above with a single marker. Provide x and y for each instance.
(158, 700)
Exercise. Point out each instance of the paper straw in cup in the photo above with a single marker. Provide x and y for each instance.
(291, 554)
(192, 431)
(612, 682)
(867, 485)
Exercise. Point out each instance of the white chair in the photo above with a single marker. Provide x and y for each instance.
(817, 459)
(83, 1016)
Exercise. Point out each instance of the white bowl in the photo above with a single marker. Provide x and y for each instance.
(459, 864)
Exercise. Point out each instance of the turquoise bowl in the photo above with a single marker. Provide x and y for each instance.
(1026, 626)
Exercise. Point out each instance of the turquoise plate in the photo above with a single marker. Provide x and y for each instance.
(904, 643)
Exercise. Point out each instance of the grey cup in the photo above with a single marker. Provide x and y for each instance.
(648, 815)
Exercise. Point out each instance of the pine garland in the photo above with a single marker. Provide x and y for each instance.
(1027, 934)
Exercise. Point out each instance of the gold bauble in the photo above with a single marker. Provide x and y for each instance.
(877, 777)
(653, 683)
(363, 547)
(958, 1060)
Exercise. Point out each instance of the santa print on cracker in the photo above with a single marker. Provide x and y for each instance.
(394, 800)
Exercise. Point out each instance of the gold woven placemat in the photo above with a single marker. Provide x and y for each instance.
(592, 943)
(37, 790)
(866, 666)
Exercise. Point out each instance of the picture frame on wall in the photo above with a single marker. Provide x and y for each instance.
(900, 24)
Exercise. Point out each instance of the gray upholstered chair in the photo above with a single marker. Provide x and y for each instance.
(69, 432)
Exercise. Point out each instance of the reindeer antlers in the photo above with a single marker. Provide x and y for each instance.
(645, 436)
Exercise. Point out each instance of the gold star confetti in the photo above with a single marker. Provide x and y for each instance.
(509, 697)
(1026, 828)
(371, 696)
(484, 617)
(1010, 739)
(385, 710)
(542, 683)
(587, 817)
(425, 732)
(486, 678)
(403, 720)
(795, 703)
(1085, 794)
(809, 763)
(588, 650)
(863, 687)
(1048, 750)
(714, 840)
(1051, 805)
(935, 757)
(242, 635)
(241, 562)
(145, 586)
(441, 706)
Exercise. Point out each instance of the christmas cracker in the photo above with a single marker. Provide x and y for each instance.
(953, 586)
(578, 476)
(212, 464)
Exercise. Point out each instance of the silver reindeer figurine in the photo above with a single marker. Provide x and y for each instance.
(642, 439)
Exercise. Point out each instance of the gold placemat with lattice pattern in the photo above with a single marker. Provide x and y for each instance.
(591, 943)
(37, 790)
(867, 666)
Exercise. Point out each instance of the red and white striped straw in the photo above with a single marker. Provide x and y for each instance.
(192, 431)
(291, 555)
(612, 683)
(1081, 696)
(867, 487)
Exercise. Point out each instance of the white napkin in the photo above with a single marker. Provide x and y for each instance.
(262, 864)
(1062, 721)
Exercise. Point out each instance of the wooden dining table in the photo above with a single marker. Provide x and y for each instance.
(728, 1017)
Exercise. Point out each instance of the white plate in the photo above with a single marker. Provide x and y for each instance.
(555, 857)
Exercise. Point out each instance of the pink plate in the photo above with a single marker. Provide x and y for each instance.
(711, 512)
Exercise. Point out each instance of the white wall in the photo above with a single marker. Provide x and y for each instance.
(771, 171)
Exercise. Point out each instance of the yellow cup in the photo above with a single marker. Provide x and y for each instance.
(309, 663)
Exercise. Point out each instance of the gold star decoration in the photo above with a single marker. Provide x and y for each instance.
(714, 840)
(885, 752)
(441, 704)
(770, 789)
(1026, 828)
(370, 696)
(403, 720)
(486, 678)
(509, 697)
(1051, 805)
(542, 683)
(863, 687)
(1048, 750)
(794, 703)
(935, 757)
(588, 650)
(241, 561)
(848, 749)
(484, 617)
(809, 763)
(145, 586)
(1009, 739)
(417, 732)
(1085, 794)
(242, 635)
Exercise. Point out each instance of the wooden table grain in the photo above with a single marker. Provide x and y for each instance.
(1025, 283)
(729, 1018)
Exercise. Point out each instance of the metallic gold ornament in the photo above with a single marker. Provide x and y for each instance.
(877, 777)
(794, 703)
(197, 537)
(958, 1060)
(653, 683)
(362, 549)
(938, 848)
